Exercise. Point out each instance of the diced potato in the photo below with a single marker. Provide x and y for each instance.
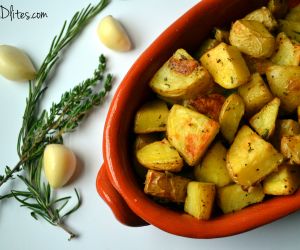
(255, 94)
(181, 77)
(227, 66)
(166, 186)
(206, 45)
(287, 53)
(200, 199)
(221, 35)
(233, 198)
(264, 16)
(213, 167)
(190, 133)
(278, 8)
(160, 155)
(290, 28)
(257, 65)
(151, 117)
(209, 105)
(231, 114)
(285, 181)
(284, 82)
(264, 121)
(294, 14)
(252, 38)
(290, 148)
(250, 158)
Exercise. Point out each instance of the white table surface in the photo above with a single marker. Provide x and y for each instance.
(94, 221)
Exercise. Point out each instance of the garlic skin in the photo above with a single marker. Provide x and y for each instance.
(59, 164)
(113, 35)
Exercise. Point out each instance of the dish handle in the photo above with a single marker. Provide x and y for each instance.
(115, 201)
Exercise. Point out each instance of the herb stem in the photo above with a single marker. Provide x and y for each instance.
(66, 229)
(11, 172)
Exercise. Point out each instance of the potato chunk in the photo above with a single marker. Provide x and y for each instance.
(205, 46)
(252, 38)
(213, 167)
(231, 114)
(284, 82)
(181, 77)
(278, 8)
(290, 148)
(250, 159)
(287, 53)
(160, 155)
(200, 199)
(151, 117)
(166, 186)
(233, 198)
(227, 66)
(290, 28)
(264, 16)
(285, 181)
(190, 133)
(258, 65)
(255, 94)
(265, 120)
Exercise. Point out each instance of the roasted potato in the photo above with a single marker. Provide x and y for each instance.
(160, 155)
(285, 181)
(231, 114)
(200, 199)
(221, 35)
(290, 148)
(233, 197)
(287, 52)
(213, 167)
(278, 8)
(290, 28)
(284, 82)
(227, 66)
(166, 186)
(181, 77)
(207, 45)
(250, 158)
(190, 133)
(151, 117)
(252, 38)
(264, 121)
(255, 94)
(264, 16)
(257, 65)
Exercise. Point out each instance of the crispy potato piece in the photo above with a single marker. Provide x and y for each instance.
(257, 65)
(233, 197)
(181, 77)
(252, 38)
(151, 117)
(200, 199)
(166, 186)
(294, 14)
(250, 158)
(221, 35)
(290, 28)
(209, 105)
(278, 8)
(264, 16)
(160, 155)
(227, 66)
(207, 45)
(231, 114)
(213, 167)
(285, 181)
(190, 133)
(287, 52)
(290, 148)
(264, 121)
(255, 94)
(284, 82)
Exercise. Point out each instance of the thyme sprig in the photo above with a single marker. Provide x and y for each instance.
(42, 128)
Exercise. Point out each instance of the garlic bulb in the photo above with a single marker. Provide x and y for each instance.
(59, 164)
(113, 35)
(15, 64)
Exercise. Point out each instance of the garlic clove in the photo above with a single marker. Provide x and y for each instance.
(15, 64)
(113, 35)
(59, 164)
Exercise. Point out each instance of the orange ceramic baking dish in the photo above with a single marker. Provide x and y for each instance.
(116, 180)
